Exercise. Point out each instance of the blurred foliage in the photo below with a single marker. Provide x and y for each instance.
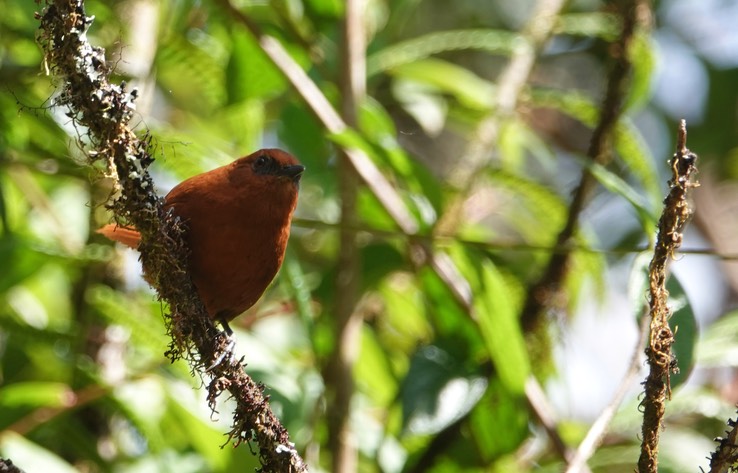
(84, 385)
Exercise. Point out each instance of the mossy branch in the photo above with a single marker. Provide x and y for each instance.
(660, 359)
(725, 458)
(104, 110)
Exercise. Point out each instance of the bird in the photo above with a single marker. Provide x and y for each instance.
(237, 222)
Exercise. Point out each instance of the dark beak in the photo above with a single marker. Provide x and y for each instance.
(293, 172)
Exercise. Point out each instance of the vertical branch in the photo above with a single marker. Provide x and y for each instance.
(547, 289)
(660, 360)
(347, 319)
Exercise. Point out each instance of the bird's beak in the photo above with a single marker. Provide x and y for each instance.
(293, 172)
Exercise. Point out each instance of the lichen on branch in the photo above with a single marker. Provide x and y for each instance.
(102, 112)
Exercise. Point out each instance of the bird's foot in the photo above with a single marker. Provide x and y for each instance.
(224, 354)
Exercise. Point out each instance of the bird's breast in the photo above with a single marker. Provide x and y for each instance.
(234, 257)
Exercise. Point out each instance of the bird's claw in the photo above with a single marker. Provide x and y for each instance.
(226, 353)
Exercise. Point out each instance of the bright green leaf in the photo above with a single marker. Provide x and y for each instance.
(469, 89)
(500, 329)
(589, 25)
(643, 57)
(36, 394)
(618, 186)
(416, 49)
(31, 457)
(250, 74)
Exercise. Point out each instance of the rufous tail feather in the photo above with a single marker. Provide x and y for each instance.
(125, 235)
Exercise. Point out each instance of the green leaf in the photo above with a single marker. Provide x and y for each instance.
(192, 74)
(300, 292)
(496, 316)
(15, 253)
(142, 321)
(718, 346)
(634, 152)
(574, 104)
(373, 370)
(351, 139)
(643, 57)
(686, 331)
(419, 179)
(516, 141)
(36, 394)
(630, 145)
(437, 392)
(205, 437)
(405, 323)
(424, 103)
(538, 212)
(372, 211)
(600, 25)
(30, 456)
(586, 267)
(500, 422)
(327, 8)
(499, 326)
(378, 127)
(249, 73)
(449, 321)
(618, 186)
(469, 89)
(416, 49)
(304, 136)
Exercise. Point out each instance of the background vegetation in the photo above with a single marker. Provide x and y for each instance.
(480, 115)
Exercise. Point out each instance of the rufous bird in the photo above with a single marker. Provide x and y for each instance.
(237, 223)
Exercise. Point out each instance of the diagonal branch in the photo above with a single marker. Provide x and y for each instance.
(510, 86)
(104, 111)
(331, 120)
(548, 287)
(372, 177)
(599, 427)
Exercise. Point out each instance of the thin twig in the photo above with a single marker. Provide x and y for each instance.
(501, 245)
(544, 412)
(599, 427)
(661, 362)
(104, 110)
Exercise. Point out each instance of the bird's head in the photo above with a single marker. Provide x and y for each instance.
(271, 169)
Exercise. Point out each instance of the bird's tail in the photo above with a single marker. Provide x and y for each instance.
(126, 235)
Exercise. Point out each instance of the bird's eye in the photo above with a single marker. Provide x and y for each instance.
(264, 164)
(261, 161)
